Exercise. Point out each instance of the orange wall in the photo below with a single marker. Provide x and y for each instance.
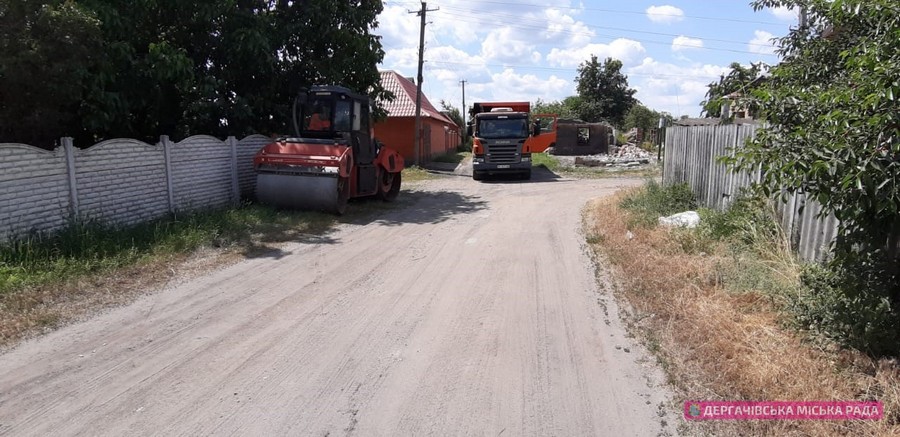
(398, 134)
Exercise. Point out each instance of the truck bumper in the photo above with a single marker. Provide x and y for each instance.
(490, 168)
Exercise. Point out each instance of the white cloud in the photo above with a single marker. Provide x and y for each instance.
(395, 27)
(450, 64)
(510, 85)
(686, 43)
(401, 59)
(507, 45)
(785, 14)
(563, 29)
(626, 50)
(675, 89)
(762, 43)
(664, 14)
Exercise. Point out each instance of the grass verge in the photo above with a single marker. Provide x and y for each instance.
(416, 174)
(453, 158)
(709, 303)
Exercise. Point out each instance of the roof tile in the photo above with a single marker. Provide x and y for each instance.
(404, 104)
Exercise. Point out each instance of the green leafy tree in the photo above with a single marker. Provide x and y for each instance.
(642, 117)
(49, 54)
(220, 67)
(454, 114)
(565, 108)
(604, 91)
(737, 81)
(833, 108)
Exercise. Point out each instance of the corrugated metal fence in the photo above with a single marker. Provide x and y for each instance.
(692, 154)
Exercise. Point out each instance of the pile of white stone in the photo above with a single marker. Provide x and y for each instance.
(630, 151)
(627, 155)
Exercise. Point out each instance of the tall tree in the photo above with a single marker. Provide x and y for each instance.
(565, 108)
(737, 81)
(642, 117)
(220, 67)
(49, 53)
(604, 91)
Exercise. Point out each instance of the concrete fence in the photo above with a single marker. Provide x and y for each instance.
(121, 181)
(692, 154)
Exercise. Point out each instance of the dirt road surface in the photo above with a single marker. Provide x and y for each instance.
(471, 309)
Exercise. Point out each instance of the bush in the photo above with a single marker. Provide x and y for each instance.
(748, 221)
(465, 146)
(850, 305)
(653, 201)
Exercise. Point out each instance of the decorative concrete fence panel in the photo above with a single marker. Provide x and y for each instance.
(34, 189)
(120, 181)
(202, 173)
(246, 149)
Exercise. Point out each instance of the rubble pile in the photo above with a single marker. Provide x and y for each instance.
(631, 151)
(627, 155)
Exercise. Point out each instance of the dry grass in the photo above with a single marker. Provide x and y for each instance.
(35, 310)
(719, 344)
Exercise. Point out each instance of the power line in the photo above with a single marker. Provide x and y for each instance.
(561, 69)
(613, 11)
(467, 19)
(542, 24)
(534, 24)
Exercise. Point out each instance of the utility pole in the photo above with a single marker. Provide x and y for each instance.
(465, 113)
(417, 139)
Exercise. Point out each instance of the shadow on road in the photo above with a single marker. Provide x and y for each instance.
(538, 175)
(419, 207)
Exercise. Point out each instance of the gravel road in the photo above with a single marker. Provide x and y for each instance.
(471, 309)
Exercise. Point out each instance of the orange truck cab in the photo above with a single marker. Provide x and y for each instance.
(504, 137)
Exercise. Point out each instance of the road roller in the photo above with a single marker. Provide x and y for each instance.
(332, 157)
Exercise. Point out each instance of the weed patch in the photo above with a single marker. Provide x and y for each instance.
(416, 174)
(711, 303)
(453, 158)
(655, 201)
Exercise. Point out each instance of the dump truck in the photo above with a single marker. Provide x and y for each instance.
(504, 137)
(333, 155)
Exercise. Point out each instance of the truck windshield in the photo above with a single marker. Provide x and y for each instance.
(503, 128)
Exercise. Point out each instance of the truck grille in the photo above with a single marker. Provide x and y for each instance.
(502, 153)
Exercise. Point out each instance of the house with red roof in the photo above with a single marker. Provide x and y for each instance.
(440, 134)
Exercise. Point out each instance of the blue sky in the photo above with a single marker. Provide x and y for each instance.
(525, 50)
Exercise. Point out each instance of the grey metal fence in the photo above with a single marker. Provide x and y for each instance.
(691, 156)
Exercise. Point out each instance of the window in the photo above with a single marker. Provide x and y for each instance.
(342, 116)
(503, 128)
(584, 136)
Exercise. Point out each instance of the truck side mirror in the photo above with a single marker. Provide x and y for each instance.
(469, 130)
(536, 128)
